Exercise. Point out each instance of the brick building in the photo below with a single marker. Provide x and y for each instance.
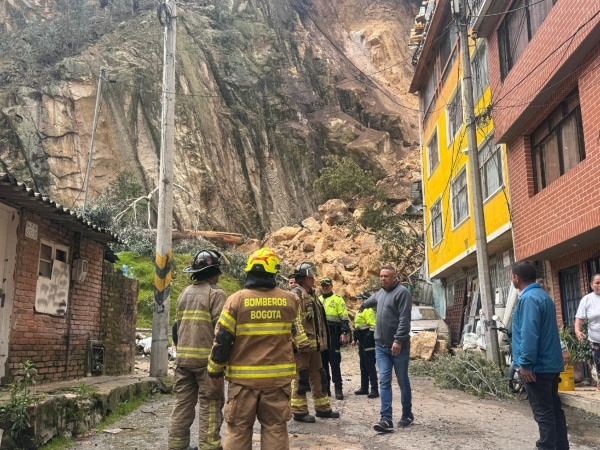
(62, 306)
(544, 69)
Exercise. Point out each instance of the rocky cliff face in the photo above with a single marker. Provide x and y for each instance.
(266, 88)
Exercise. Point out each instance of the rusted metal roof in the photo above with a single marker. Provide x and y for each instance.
(18, 195)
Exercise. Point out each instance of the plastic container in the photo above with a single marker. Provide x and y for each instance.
(567, 379)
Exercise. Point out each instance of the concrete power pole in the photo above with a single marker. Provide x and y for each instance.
(94, 126)
(483, 274)
(164, 238)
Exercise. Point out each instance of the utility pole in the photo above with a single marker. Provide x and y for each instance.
(89, 164)
(483, 275)
(164, 239)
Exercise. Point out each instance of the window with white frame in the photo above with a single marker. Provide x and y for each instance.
(52, 289)
(455, 114)
(460, 198)
(433, 152)
(50, 252)
(437, 229)
(479, 67)
(490, 168)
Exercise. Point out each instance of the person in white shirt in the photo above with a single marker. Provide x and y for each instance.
(589, 310)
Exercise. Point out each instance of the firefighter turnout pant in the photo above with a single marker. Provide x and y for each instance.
(271, 406)
(309, 364)
(194, 386)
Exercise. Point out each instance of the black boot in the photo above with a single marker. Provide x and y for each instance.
(339, 394)
(361, 391)
(306, 418)
(328, 414)
(373, 394)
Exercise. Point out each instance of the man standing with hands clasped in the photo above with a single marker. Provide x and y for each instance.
(392, 346)
(537, 354)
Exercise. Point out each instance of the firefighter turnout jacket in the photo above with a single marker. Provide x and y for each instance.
(198, 309)
(254, 338)
(312, 320)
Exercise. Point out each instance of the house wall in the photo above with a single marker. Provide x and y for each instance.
(119, 300)
(58, 345)
(570, 205)
(458, 241)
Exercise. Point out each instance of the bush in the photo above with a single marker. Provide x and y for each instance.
(467, 371)
(343, 178)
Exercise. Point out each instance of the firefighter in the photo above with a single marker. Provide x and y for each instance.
(364, 336)
(310, 375)
(198, 309)
(253, 348)
(337, 324)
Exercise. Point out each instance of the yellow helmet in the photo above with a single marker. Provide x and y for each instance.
(263, 260)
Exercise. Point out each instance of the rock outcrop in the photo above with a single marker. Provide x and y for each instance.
(265, 89)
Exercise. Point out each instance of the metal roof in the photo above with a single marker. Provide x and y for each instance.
(18, 195)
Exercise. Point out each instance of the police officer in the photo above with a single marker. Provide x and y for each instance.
(310, 375)
(198, 309)
(364, 335)
(253, 349)
(337, 322)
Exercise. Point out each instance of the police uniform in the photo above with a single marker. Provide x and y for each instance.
(198, 309)
(337, 323)
(364, 334)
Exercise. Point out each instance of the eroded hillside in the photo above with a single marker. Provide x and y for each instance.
(266, 88)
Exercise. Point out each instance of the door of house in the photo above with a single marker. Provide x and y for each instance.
(570, 294)
(9, 220)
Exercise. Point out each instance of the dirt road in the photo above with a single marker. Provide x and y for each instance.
(445, 419)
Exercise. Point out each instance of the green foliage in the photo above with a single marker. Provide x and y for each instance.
(143, 270)
(578, 351)
(59, 443)
(15, 412)
(122, 410)
(343, 178)
(467, 371)
(84, 403)
(400, 237)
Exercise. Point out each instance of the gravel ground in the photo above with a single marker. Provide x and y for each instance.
(445, 419)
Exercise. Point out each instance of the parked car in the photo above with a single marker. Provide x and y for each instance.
(426, 318)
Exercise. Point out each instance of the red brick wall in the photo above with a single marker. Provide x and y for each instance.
(56, 344)
(569, 24)
(570, 205)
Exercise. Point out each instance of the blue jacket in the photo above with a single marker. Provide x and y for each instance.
(535, 340)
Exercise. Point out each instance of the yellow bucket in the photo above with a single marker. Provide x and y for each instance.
(567, 379)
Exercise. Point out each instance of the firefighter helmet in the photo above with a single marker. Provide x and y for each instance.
(203, 260)
(305, 269)
(263, 260)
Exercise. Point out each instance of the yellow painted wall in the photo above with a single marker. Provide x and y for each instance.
(452, 160)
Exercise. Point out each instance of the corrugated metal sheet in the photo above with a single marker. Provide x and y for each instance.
(18, 195)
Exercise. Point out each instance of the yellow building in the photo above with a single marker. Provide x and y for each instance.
(447, 196)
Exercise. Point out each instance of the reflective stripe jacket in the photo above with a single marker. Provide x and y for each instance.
(254, 342)
(198, 309)
(364, 329)
(336, 313)
(365, 319)
(312, 320)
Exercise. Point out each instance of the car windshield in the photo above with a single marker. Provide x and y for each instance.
(424, 314)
